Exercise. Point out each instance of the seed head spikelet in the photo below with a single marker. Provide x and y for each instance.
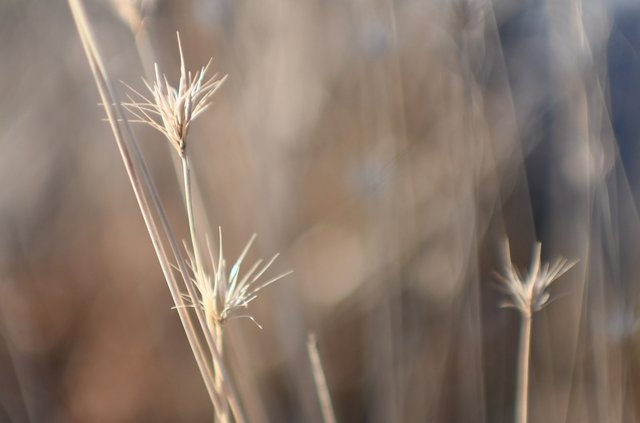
(171, 110)
(222, 295)
(529, 294)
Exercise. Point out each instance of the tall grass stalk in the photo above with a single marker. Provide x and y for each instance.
(115, 118)
(328, 415)
(215, 296)
(528, 294)
(222, 412)
(524, 351)
(171, 110)
(143, 189)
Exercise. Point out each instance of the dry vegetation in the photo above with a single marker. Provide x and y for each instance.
(385, 149)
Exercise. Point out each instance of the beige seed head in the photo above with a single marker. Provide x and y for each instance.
(171, 110)
(529, 294)
(224, 296)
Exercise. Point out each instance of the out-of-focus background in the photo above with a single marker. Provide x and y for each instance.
(386, 149)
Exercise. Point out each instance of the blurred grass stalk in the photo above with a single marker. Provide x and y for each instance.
(524, 353)
(328, 414)
(143, 187)
(528, 294)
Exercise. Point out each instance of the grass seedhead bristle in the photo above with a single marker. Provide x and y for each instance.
(223, 295)
(171, 110)
(529, 293)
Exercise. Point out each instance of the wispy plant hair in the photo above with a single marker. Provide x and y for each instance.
(530, 293)
(171, 110)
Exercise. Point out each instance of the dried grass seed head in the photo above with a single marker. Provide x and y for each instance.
(223, 296)
(529, 293)
(171, 110)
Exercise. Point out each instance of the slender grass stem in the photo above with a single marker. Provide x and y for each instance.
(222, 412)
(223, 415)
(328, 414)
(186, 176)
(528, 293)
(142, 186)
(125, 145)
(228, 387)
(522, 394)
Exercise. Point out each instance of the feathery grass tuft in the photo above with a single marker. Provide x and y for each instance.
(223, 295)
(527, 295)
(171, 110)
(530, 293)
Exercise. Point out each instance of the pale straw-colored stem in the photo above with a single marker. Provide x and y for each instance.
(228, 387)
(222, 412)
(186, 177)
(328, 415)
(115, 115)
(140, 179)
(522, 394)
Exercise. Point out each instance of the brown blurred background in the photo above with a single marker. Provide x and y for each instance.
(386, 149)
